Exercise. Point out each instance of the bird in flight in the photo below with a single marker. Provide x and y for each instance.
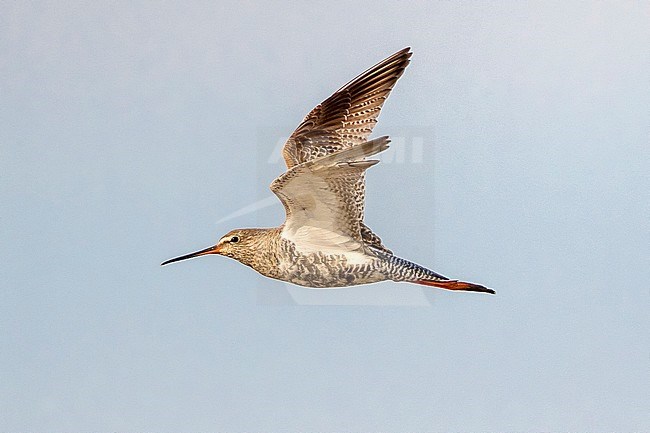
(324, 242)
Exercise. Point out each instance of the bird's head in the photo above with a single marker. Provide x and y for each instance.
(240, 244)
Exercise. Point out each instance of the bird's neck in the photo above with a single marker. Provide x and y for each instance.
(260, 253)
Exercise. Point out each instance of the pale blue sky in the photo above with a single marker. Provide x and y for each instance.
(128, 129)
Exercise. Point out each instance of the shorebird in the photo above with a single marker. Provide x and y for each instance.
(323, 242)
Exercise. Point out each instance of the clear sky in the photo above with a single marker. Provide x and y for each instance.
(129, 129)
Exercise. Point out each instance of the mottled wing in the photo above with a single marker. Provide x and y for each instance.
(320, 202)
(348, 116)
(346, 119)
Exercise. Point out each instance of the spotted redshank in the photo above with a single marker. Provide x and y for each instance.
(323, 241)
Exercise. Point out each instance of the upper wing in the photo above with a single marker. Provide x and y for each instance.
(347, 117)
(320, 200)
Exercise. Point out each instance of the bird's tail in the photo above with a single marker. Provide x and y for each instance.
(454, 285)
(399, 269)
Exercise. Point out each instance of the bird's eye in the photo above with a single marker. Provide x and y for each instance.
(234, 239)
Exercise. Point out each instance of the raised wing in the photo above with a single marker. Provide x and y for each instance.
(348, 116)
(320, 200)
(346, 119)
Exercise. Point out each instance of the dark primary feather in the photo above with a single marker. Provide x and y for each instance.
(348, 116)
